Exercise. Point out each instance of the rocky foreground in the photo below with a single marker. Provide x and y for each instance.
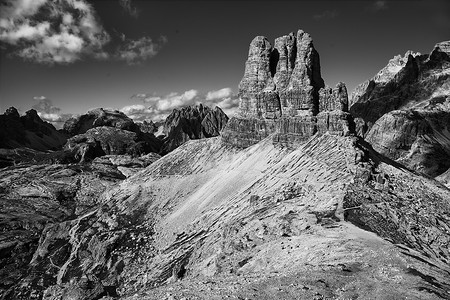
(290, 202)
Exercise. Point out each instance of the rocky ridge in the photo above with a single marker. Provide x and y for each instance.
(406, 82)
(97, 118)
(28, 131)
(404, 111)
(192, 122)
(282, 92)
(106, 140)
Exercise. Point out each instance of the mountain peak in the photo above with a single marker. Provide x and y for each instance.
(282, 92)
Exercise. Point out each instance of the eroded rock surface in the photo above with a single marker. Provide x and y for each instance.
(34, 198)
(190, 123)
(208, 212)
(404, 111)
(282, 92)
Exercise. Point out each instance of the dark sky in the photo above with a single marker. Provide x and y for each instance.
(174, 52)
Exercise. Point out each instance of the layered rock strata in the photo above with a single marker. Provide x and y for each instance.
(282, 93)
(191, 123)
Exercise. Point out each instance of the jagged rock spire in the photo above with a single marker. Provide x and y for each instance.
(282, 92)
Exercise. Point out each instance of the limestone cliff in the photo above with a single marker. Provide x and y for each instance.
(190, 123)
(282, 93)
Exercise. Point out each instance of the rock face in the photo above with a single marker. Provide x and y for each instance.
(192, 122)
(405, 110)
(35, 197)
(105, 140)
(404, 83)
(282, 93)
(148, 127)
(99, 117)
(28, 131)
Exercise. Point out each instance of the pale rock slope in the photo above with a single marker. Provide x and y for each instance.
(261, 223)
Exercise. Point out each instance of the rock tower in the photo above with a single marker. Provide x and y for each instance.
(283, 93)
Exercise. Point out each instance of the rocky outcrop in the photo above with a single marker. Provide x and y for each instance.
(404, 110)
(148, 127)
(34, 198)
(28, 131)
(128, 165)
(301, 93)
(106, 140)
(282, 93)
(420, 138)
(190, 123)
(99, 117)
(407, 81)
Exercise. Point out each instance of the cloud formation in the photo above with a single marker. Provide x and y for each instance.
(65, 31)
(134, 52)
(129, 8)
(45, 31)
(50, 113)
(328, 14)
(378, 6)
(160, 106)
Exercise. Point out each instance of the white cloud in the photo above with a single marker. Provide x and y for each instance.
(378, 6)
(26, 32)
(129, 8)
(50, 113)
(138, 112)
(132, 109)
(21, 8)
(50, 117)
(219, 94)
(137, 51)
(225, 99)
(70, 31)
(328, 14)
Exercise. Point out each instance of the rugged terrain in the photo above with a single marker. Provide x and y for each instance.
(28, 131)
(404, 111)
(289, 202)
